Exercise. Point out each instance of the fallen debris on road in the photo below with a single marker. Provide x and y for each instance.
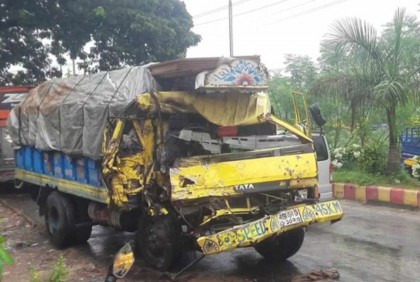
(320, 275)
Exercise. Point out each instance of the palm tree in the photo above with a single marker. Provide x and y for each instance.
(383, 69)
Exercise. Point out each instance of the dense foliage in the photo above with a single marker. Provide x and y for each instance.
(38, 37)
(370, 158)
(5, 257)
(367, 84)
(381, 70)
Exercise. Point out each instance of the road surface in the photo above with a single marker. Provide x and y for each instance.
(371, 243)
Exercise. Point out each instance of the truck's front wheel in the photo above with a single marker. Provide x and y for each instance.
(158, 240)
(59, 219)
(282, 246)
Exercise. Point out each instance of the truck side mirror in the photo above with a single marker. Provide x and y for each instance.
(316, 115)
(123, 261)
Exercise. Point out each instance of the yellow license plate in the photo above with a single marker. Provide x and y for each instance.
(328, 208)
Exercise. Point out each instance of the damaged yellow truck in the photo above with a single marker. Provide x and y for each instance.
(184, 153)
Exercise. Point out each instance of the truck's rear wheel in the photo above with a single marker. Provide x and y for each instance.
(59, 219)
(282, 246)
(158, 240)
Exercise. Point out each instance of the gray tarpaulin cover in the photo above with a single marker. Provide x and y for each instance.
(70, 114)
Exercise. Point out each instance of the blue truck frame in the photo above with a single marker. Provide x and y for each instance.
(80, 176)
(410, 143)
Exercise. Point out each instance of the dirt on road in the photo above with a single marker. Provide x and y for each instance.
(27, 241)
(35, 256)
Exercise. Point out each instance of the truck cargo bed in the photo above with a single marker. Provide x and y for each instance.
(75, 175)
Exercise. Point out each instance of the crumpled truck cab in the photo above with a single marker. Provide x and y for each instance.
(193, 162)
(221, 168)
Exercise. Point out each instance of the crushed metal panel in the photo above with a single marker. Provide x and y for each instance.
(235, 177)
(224, 109)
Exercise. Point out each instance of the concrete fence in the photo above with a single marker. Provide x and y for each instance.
(364, 194)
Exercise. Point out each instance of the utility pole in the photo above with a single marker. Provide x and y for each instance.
(230, 29)
(74, 67)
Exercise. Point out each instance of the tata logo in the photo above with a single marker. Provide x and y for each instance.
(244, 187)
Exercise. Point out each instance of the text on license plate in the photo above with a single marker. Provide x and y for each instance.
(328, 208)
(290, 217)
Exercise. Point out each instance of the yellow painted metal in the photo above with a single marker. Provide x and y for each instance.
(129, 175)
(110, 164)
(146, 135)
(287, 126)
(251, 233)
(221, 108)
(130, 172)
(138, 131)
(411, 161)
(123, 261)
(224, 109)
(303, 124)
(220, 178)
(110, 148)
(148, 142)
(145, 102)
(225, 212)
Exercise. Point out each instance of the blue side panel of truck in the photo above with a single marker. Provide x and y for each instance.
(410, 142)
(75, 175)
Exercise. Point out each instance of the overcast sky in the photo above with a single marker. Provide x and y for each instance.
(273, 28)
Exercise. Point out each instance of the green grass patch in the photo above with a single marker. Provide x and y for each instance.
(401, 179)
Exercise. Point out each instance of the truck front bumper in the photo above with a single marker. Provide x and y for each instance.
(270, 225)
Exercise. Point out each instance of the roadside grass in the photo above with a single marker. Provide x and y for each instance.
(60, 272)
(5, 257)
(401, 179)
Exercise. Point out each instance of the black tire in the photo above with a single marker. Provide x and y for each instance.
(158, 240)
(59, 219)
(282, 246)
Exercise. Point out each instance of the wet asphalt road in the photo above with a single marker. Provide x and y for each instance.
(372, 243)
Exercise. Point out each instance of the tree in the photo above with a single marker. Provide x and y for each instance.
(302, 71)
(133, 32)
(21, 44)
(281, 97)
(35, 34)
(344, 78)
(383, 69)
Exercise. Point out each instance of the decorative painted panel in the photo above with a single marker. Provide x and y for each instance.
(239, 73)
